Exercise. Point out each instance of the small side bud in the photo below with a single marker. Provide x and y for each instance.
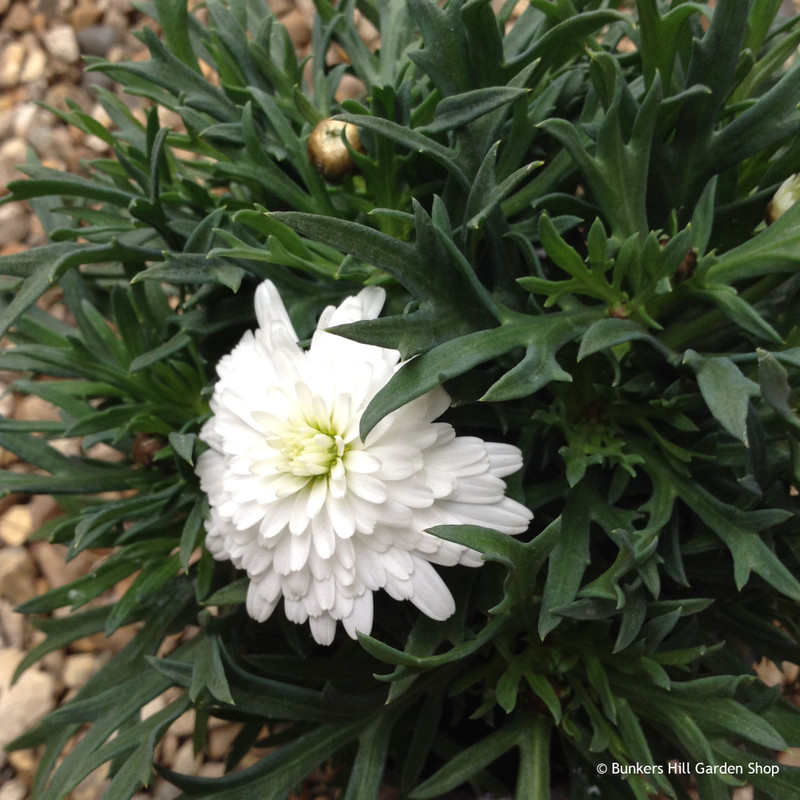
(619, 311)
(144, 448)
(685, 268)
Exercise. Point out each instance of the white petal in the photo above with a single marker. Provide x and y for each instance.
(257, 607)
(257, 560)
(431, 595)
(324, 536)
(398, 563)
(361, 461)
(360, 618)
(505, 458)
(368, 488)
(411, 492)
(270, 308)
(298, 550)
(397, 461)
(276, 518)
(295, 610)
(507, 516)
(323, 628)
(341, 517)
(296, 585)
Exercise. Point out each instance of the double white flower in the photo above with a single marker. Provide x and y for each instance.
(314, 514)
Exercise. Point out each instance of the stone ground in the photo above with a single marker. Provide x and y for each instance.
(42, 44)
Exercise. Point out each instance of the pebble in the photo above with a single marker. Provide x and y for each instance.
(62, 43)
(790, 757)
(13, 626)
(31, 408)
(13, 152)
(7, 118)
(35, 66)
(79, 668)
(18, 19)
(23, 119)
(11, 61)
(85, 14)
(14, 223)
(13, 789)
(42, 507)
(17, 575)
(92, 786)
(50, 560)
(296, 24)
(769, 672)
(97, 40)
(15, 525)
(221, 739)
(59, 92)
(24, 703)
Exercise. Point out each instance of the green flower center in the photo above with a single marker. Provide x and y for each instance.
(311, 452)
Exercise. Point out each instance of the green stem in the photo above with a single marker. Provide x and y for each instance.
(533, 781)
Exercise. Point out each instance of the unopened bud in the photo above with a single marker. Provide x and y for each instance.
(786, 196)
(328, 152)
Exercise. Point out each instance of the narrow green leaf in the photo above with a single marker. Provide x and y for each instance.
(459, 110)
(471, 760)
(208, 672)
(726, 391)
(174, 18)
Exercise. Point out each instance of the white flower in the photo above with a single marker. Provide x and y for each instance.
(314, 514)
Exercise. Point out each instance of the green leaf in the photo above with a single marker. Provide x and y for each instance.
(233, 594)
(69, 474)
(775, 388)
(193, 268)
(569, 558)
(445, 53)
(373, 247)
(609, 332)
(542, 336)
(174, 18)
(523, 560)
(278, 773)
(174, 345)
(369, 764)
(61, 632)
(147, 584)
(739, 530)
(208, 672)
(412, 139)
(775, 249)
(471, 760)
(726, 391)
(459, 110)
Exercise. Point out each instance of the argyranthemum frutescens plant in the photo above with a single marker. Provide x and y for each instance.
(566, 215)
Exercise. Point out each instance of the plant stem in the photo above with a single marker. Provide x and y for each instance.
(533, 781)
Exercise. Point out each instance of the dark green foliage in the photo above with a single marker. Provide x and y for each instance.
(571, 238)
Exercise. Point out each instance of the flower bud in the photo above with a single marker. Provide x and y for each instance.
(328, 152)
(786, 196)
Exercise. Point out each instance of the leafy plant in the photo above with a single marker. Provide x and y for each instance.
(565, 210)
